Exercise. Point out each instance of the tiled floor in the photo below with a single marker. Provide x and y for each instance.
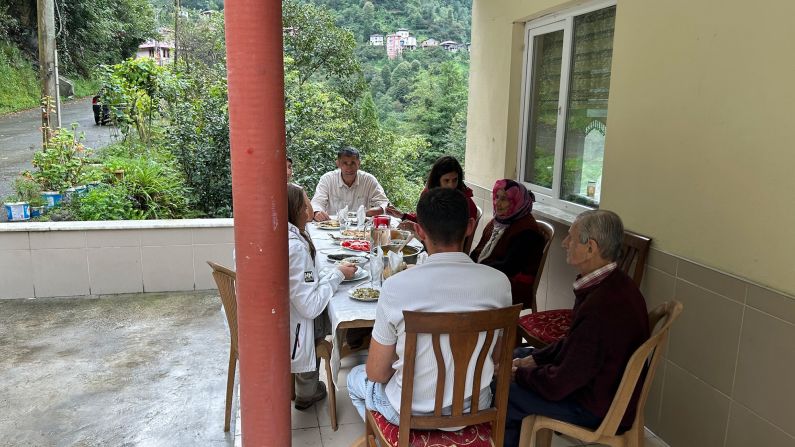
(312, 427)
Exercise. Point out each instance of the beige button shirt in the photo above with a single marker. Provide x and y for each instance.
(332, 194)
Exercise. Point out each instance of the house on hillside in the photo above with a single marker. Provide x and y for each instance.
(377, 40)
(160, 51)
(448, 44)
(393, 48)
(427, 43)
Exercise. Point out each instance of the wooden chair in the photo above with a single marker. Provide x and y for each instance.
(485, 425)
(469, 239)
(542, 328)
(539, 429)
(225, 280)
(549, 234)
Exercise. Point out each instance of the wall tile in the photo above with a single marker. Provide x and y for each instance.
(704, 338)
(16, 274)
(693, 414)
(662, 261)
(213, 235)
(57, 239)
(162, 237)
(657, 287)
(764, 368)
(219, 253)
(718, 282)
(15, 240)
(115, 270)
(167, 268)
(775, 304)
(62, 272)
(654, 401)
(113, 238)
(747, 429)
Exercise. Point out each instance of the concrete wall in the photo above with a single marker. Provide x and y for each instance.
(696, 157)
(95, 258)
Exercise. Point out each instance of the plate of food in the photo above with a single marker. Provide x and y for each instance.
(366, 294)
(356, 245)
(355, 234)
(338, 258)
(328, 225)
(359, 275)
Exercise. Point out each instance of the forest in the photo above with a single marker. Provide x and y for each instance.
(401, 113)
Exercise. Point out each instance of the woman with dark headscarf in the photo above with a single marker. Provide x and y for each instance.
(511, 241)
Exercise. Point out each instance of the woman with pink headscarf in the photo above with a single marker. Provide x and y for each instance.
(511, 241)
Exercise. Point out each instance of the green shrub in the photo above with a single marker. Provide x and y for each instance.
(106, 203)
(60, 165)
(19, 86)
(153, 183)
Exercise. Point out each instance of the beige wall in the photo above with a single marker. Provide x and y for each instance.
(698, 150)
(698, 156)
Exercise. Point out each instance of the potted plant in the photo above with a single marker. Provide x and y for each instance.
(16, 209)
(38, 206)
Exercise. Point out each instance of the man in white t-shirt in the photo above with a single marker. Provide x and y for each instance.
(348, 186)
(448, 281)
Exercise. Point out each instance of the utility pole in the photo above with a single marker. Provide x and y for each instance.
(176, 29)
(48, 59)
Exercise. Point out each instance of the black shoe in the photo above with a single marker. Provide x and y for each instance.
(320, 394)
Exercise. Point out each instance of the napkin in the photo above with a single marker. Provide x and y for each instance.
(376, 266)
(394, 265)
(360, 216)
(341, 214)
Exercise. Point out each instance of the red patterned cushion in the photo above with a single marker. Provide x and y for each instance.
(471, 436)
(548, 326)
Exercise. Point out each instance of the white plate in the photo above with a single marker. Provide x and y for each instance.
(359, 275)
(325, 226)
(366, 300)
(359, 260)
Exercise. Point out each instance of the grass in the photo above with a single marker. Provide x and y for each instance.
(19, 83)
(19, 86)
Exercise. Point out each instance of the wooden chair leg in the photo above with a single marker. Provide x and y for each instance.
(292, 386)
(361, 441)
(544, 438)
(230, 385)
(332, 396)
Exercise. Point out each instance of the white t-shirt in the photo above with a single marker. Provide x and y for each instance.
(446, 282)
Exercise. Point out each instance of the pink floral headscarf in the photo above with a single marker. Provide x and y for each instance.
(521, 200)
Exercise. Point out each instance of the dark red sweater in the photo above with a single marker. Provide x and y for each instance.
(609, 323)
(471, 207)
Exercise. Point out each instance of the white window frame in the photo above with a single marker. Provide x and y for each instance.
(562, 20)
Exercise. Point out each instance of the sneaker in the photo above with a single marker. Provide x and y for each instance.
(320, 394)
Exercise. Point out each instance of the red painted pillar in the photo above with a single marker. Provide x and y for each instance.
(256, 115)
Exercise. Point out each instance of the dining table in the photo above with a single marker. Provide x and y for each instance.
(343, 311)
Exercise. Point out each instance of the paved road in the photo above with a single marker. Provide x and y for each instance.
(20, 137)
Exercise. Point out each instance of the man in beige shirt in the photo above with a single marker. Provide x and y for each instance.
(348, 186)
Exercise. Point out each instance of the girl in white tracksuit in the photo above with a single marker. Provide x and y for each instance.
(309, 295)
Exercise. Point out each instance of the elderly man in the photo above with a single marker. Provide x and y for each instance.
(348, 186)
(448, 281)
(575, 378)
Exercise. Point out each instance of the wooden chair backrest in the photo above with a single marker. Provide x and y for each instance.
(549, 233)
(646, 357)
(464, 330)
(634, 251)
(225, 280)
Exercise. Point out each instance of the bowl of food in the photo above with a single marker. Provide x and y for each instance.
(408, 252)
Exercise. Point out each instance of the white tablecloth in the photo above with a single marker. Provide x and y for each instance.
(341, 308)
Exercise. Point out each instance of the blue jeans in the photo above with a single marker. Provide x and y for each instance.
(370, 395)
(523, 402)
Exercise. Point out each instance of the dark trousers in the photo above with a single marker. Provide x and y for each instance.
(523, 402)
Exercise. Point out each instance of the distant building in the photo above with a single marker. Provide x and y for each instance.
(409, 43)
(393, 47)
(427, 43)
(377, 40)
(449, 45)
(161, 51)
(402, 33)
